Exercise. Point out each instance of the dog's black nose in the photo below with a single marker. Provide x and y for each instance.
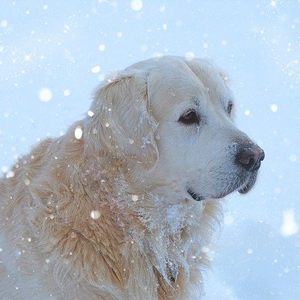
(250, 157)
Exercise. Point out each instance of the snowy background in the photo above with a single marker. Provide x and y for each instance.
(54, 53)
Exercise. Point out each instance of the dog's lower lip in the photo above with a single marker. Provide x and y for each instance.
(249, 184)
(220, 196)
(245, 189)
(195, 196)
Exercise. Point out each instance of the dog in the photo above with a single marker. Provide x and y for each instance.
(124, 205)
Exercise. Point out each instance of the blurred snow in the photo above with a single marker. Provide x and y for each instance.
(45, 94)
(52, 57)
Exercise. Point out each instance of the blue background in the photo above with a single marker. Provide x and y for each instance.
(55, 44)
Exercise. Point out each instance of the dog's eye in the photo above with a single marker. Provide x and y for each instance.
(189, 118)
(229, 107)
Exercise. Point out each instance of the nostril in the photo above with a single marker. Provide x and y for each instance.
(246, 159)
(251, 162)
(250, 158)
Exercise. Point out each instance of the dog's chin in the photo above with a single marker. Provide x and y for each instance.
(198, 197)
(243, 188)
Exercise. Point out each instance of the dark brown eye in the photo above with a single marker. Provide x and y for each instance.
(229, 107)
(189, 118)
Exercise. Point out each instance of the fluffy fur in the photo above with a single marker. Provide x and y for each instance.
(107, 215)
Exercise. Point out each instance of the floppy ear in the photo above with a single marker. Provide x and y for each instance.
(119, 122)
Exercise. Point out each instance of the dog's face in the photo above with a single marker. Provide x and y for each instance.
(173, 119)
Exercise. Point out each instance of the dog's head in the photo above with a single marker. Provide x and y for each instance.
(171, 120)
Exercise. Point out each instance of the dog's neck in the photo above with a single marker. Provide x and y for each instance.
(170, 236)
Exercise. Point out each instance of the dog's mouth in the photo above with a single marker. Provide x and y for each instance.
(243, 188)
(194, 195)
(248, 185)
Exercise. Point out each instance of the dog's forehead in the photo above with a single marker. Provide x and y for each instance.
(174, 81)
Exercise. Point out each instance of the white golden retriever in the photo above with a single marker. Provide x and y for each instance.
(123, 206)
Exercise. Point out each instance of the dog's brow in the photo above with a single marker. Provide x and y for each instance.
(195, 101)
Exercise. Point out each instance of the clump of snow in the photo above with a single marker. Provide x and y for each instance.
(95, 214)
(135, 197)
(173, 219)
(146, 140)
(289, 226)
(45, 94)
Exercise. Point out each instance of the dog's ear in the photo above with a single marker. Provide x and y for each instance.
(119, 121)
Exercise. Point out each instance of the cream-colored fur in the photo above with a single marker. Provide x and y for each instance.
(107, 215)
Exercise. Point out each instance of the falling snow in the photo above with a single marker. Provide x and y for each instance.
(96, 69)
(190, 55)
(78, 133)
(59, 56)
(66, 93)
(90, 113)
(3, 23)
(45, 94)
(136, 5)
(289, 226)
(101, 47)
(274, 107)
(293, 158)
